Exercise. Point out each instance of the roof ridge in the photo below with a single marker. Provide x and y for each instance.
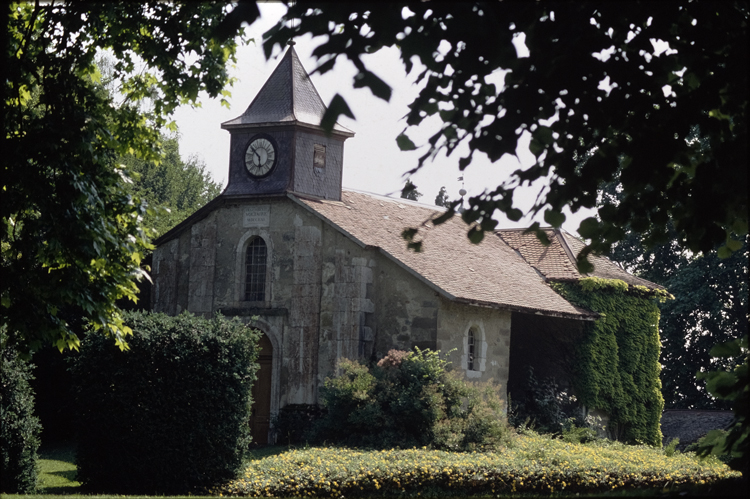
(292, 54)
(296, 59)
(397, 200)
(566, 247)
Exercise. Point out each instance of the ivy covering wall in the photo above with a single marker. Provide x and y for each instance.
(617, 362)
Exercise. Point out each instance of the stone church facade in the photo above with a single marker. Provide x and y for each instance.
(324, 273)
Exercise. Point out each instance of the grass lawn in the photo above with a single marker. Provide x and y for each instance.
(534, 466)
(57, 477)
(57, 471)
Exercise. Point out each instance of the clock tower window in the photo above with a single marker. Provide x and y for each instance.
(319, 156)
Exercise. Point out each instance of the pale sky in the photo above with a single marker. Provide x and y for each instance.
(372, 160)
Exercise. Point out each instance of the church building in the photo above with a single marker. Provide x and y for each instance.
(324, 273)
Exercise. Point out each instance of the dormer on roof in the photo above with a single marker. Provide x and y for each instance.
(557, 262)
(278, 145)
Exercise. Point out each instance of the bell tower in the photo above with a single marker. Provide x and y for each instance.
(277, 144)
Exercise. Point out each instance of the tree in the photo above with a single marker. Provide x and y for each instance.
(410, 191)
(593, 93)
(442, 198)
(72, 235)
(174, 187)
(710, 306)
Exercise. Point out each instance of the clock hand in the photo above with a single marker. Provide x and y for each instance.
(255, 153)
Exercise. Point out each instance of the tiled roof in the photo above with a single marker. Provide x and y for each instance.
(287, 97)
(489, 273)
(557, 261)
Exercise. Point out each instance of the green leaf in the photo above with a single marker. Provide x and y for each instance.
(544, 135)
(404, 143)
(589, 228)
(716, 113)
(476, 235)
(691, 80)
(336, 108)
(720, 384)
(536, 147)
(723, 252)
(607, 212)
(727, 349)
(739, 226)
(554, 218)
(514, 214)
(243, 12)
(378, 87)
(733, 244)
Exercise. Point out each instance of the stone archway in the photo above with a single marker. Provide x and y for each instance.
(260, 418)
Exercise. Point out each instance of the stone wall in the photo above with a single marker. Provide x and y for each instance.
(327, 297)
(405, 310)
(690, 425)
(492, 329)
(201, 266)
(346, 301)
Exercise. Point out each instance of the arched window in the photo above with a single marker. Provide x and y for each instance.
(255, 270)
(471, 351)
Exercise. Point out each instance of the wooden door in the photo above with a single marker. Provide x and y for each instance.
(260, 419)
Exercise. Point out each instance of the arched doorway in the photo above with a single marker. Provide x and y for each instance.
(260, 418)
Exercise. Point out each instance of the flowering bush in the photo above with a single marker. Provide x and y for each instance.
(409, 399)
(534, 464)
(393, 359)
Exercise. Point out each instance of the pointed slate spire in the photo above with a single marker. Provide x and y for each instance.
(287, 97)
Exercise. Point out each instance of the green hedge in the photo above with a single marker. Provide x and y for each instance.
(19, 428)
(617, 366)
(534, 466)
(171, 414)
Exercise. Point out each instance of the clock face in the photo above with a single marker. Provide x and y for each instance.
(260, 157)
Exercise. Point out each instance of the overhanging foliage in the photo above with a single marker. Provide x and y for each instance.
(593, 93)
(72, 235)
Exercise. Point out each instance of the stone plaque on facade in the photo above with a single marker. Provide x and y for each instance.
(256, 216)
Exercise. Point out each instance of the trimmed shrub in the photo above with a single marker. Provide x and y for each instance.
(409, 400)
(19, 428)
(534, 466)
(171, 414)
